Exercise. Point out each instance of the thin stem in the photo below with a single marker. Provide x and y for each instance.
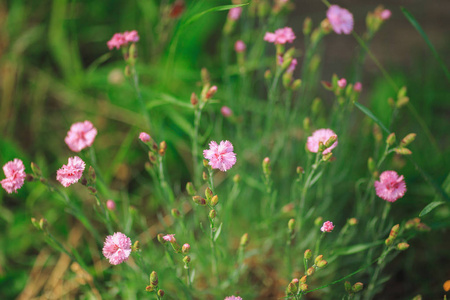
(197, 168)
(308, 182)
(139, 96)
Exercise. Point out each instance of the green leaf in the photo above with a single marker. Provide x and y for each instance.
(356, 248)
(219, 230)
(168, 99)
(422, 33)
(430, 207)
(372, 116)
(217, 8)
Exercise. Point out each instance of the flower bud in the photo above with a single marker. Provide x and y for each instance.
(292, 287)
(43, 223)
(266, 166)
(212, 214)
(318, 258)
(318, 221)
(154, 279)
(35, 223)
(91, 175)
(199, 200)
(322, 263)
(446, 286)
(160, 238)
(185, 249)
(296, 84)
(30, 178)
(306, 123)
(244, 240)
(403, 151)
(402, 246)
(162, 148)
(212, 90)
(208, 193)
(161, 293)
(402, 102)
(194, 99)
(352, 221)
(389, 241)
(36, 170)
(408, 139)
(175, 246)
(205, 163)
(175, 213)
(307, 25)
(394, 231)
(321, 146)
(291, 225)
(205, 176)
(310, 271)
(149, 288)
(92, 190)
(236, 178)
(214, 200)
(303, 279)
(390, 139)
(308, 254)
(303, 287)
(300, 170)
(327, 157)
(325, 26)
(111, 205)
(268, 75)
(331, 141)
(186, 259)
(151, 157)
(357, 287)
(205, 76)
(371, 165)
(348, 287)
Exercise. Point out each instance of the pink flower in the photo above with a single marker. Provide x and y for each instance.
(281, 36)
(239, 46)
(226, 111)
(233, 298)
(117, 248)
(80, 136)
(391, 187)
(185, 249)
(385, 14)
(111, 205)
(116, 41)
(131, 36)
(220, 156)
(327, 226)
(169, 238)
(357, 87)
(340, 19)
(234, 13)
(144, 136)
(342, 83)
(72, 172)
(292, 66)
(15, 175)
(320, 135)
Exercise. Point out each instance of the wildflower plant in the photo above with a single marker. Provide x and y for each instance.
(224, 168)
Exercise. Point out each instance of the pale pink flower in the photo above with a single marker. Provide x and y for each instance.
(281, 36)
(131, 36)
(385, 14)
(116, 41)
(239, 46)
(117, 248)
(295, 280)
(72, 172)
(144, 136)
(233, 298)
(292, 66)
(169, 238)
(185, 249)
(111, 205)
(220, 156)
(342, 83)
(340, 19)
(327, 226)
(391, 187)
(80, 136)
(226, 111)
(320, 135)
(234, 13)
(15, 175)
(357, 87)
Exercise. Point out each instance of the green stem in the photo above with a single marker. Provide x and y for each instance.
(317, 249)
(308, 182)
(139, 96)
(272, 93)
(197, 168)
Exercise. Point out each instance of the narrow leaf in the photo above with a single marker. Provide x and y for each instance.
(219, 230)
(430, 207)
(217, 8)
(371, 115)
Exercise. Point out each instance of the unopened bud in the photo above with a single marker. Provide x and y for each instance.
(371, 165)
(162, 148)
(92, 190)
(403, 151)
(306, 123)
(212, 90)
(352, 221)
(135, 246)
(390, 139)
(327, 157)
(331, 141)
(236, 178)
(291, 225)
(408, 139)
(190, 189)
(160, 238)
(35, 223)
(214, 200)
(307, 25)
(36, 170)
(29, 177)
(92, 175)
(402, 246)
(175, 246)
(212, 214)
(389, 241)
(292, 288)
(205, 76)
(310, 271)
(300, 170)
(187, 259)
(208, 193)
(205, 163)
(303, 287)
(194, 99)
(199, 200)
(268, 75)
(266, 166)
(154, 279)
(402, 101)
(318, 221)
(394, 231)
(326, 26)
(357, 287)
(308, 254)
(244, 240)
(348, 287)
(185, 249)
(318, 258)
(175, 213)
(151, 157)
(43, 223)
(322, 263)
(205, 176)
(161, 293)
(303, 279)
(296, 84)
(321, 146)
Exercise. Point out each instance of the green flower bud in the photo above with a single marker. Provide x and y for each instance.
(303, 287)
(175, 213)
(291, 225)
(303, 279)
(161, 293)
(310, 271)
(308, 254)
(318, 221)
(187, 259)
(402, 151)
(331, 141)
(160, 238)
(205, 176)
(390, 139)
(236, 178)
(348, 287)
(408, 139)
(357, 287)
(307, 26)
(36, 170)
(212, 214)
(154, 279)
(352, 221)
(190, 189)
(371, 165)
(244, 240)
(402, 246)
(318, 258)
(322, 263)
(208, 193)
(199, 200)
(214, 200)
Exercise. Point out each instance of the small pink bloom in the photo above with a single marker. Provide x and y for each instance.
(292, 66)
(117, 248)
(342, 83)
(239, 46)
(116, 41)
(80, 136)
(357, 87)
(320, 135)
(385, 14)
(72, 172)
(327, 226)
(220, 156)
(15, 175)
(295, 280)
(340, 19)
(226, 111)
(281, 36)
(391, 187)
(144, 136)
(234, 13)
(185, 249)
(233, 298)
(170, 238)
(111, 205)
(131, 36)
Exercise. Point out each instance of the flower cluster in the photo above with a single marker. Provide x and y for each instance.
(117, 248)
(327, 226)
(15, 175)
(72, 172)
(220, 156)
(391, 187)
(281, 36)
(122, 39)
(320, 135)
(81, 135)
